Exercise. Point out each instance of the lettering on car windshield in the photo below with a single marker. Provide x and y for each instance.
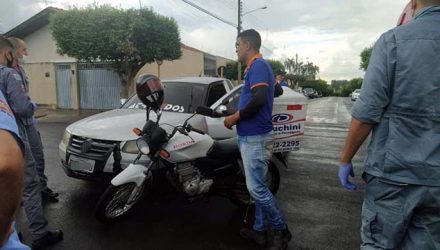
(165, 107)
(174, 108)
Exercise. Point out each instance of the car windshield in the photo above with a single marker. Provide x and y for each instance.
(179, 97)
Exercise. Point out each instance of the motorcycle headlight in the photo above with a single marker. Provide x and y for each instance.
(130, 147)
(66, 137)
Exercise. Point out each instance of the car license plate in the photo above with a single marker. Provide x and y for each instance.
(81, 164)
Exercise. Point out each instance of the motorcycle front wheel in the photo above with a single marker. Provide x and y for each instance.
(116, 201)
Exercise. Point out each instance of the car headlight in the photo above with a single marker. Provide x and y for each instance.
(130, 147)
(66, 137)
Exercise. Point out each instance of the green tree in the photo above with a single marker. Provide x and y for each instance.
(277, 66)
(320, 86)
(365, 58)
(293, 79)
(289, 64)
(310, 71)
(231, 70)
(128, 39)
(300, 72)
(347, 89)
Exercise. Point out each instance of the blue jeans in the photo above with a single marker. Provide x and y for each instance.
(256, 151)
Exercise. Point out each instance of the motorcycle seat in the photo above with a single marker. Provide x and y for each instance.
(224, 149)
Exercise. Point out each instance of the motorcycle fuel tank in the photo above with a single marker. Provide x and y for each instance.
(185, 148)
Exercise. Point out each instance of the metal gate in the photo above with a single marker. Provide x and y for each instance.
(99, 86)
(210, 65)
(64, 88)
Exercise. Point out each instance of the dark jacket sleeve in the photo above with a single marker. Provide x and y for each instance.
(259, 98)
(17, 98)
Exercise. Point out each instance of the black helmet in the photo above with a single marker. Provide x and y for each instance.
(149, 90)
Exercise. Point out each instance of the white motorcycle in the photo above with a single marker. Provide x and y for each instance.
(195, 165)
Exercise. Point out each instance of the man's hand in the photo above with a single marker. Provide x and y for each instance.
(357, 134)
(232, 120)
(344, 171)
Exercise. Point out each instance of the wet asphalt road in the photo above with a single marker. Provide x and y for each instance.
(320, 214)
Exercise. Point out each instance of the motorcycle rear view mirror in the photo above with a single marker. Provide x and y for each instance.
(143, 146)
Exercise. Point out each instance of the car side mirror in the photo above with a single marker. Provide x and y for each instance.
(221, 110)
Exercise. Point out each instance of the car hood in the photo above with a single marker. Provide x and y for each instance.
(117, 125)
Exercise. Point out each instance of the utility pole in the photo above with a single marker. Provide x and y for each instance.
(238, 32)
(238, 26)
(296, 63)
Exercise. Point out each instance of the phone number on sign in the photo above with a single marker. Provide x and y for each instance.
(286, 144)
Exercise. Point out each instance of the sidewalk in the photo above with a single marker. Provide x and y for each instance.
(44, 114)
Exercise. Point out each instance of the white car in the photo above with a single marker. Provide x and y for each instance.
(355, 94)
(105, 144)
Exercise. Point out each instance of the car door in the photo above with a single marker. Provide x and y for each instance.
(216, 126)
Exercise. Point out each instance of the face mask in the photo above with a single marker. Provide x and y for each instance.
(22, 60)
(9, 61)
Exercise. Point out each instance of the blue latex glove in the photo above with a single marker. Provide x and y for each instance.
(344, 171)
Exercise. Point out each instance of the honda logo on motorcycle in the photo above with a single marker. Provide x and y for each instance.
(282, 118)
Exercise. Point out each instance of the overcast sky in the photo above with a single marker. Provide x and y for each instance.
(329, 33)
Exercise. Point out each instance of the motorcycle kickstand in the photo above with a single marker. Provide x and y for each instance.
(247, 210)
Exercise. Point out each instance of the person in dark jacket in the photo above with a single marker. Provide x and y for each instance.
(22, 108)
(31, 123)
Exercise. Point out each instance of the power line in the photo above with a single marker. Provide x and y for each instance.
(238, 27)
(209, 13)
(260, 22)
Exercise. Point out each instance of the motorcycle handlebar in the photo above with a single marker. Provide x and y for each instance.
(191, 128)
(203, 110)
(186, 127)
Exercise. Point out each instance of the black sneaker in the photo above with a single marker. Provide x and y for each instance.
(280, 239)
(49, 195)
(259, 237)
(48, 239)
